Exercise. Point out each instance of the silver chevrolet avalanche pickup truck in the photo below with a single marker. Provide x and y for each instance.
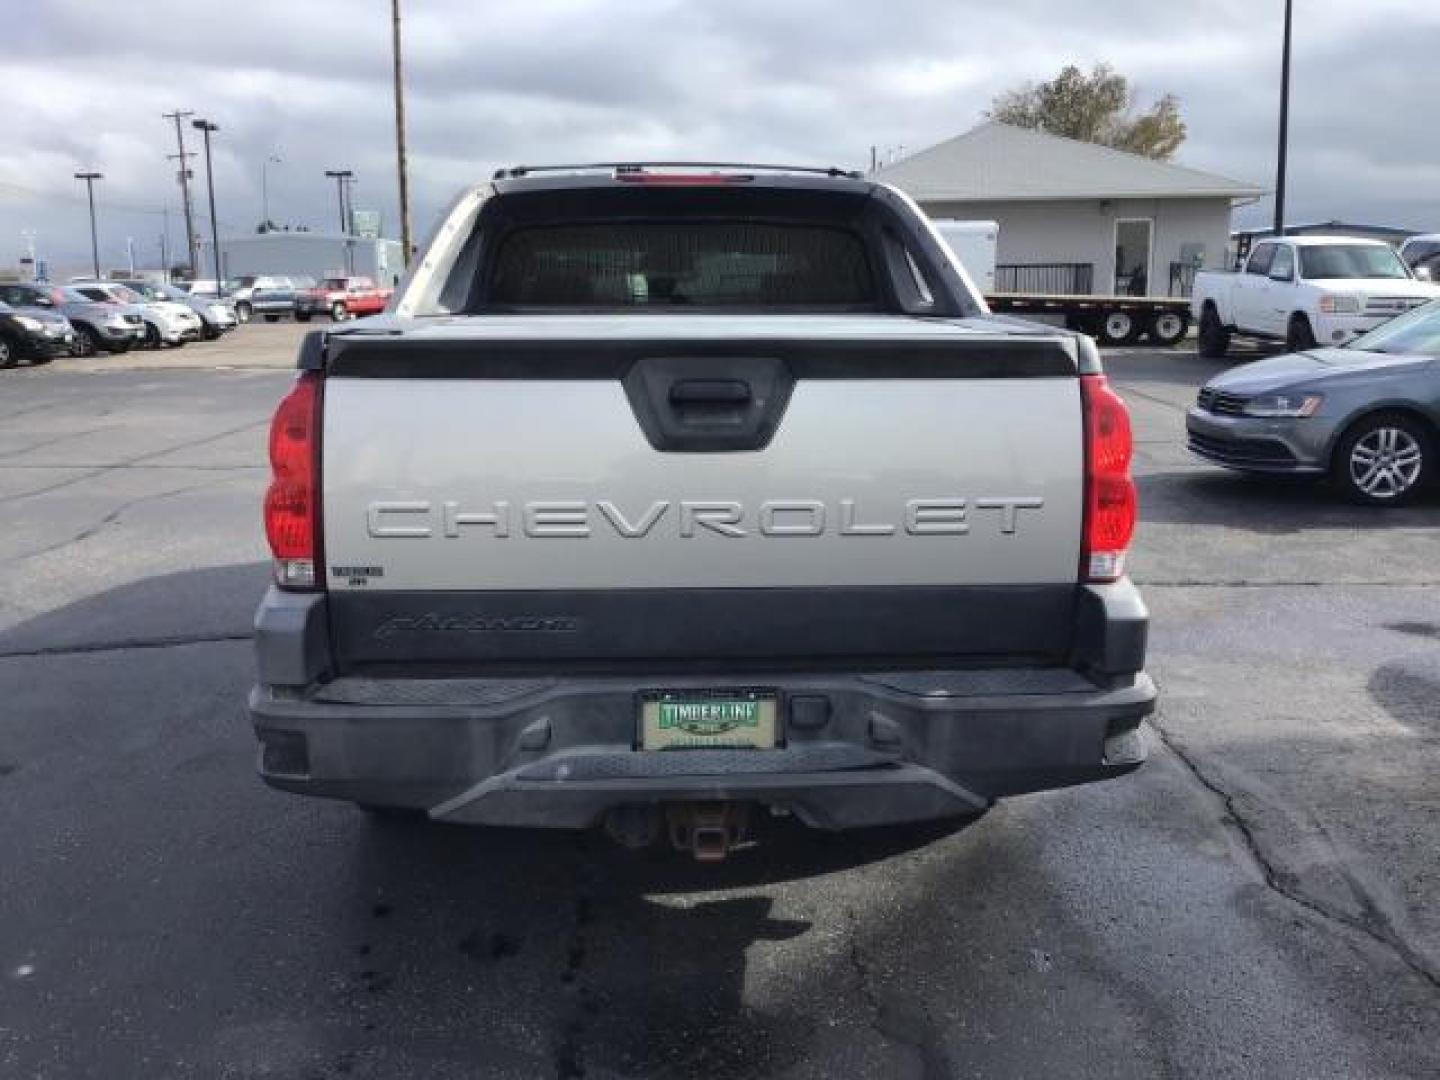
(665, 496)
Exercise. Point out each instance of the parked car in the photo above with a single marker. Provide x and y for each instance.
(808, 533)
(36, 333)
(274, 297)
(98, 327)
(342, 298)
(203, 288)
(166, 322)
(1366, 415)
(1422, 255)
(1304, 291)
(217, 314)
(242, 291)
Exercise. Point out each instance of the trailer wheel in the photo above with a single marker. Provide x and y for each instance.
(1118, 328)
(1168, 328)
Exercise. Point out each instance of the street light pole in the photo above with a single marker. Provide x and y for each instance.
(400, 155)
(343, 179)
(1281, 153)
(90, 178)
(265, 188)
(206, 127)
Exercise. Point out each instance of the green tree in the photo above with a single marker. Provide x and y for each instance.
(1098, 108)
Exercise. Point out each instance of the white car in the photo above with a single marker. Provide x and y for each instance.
(1305, 291)
(166, 322)
(1422, 255)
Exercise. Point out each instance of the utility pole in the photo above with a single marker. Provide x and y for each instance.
(184, 176)
(400, 162)
(90, 178)
(206, 127)
(1284, 124)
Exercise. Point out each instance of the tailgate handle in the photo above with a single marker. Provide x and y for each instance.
(710, 392)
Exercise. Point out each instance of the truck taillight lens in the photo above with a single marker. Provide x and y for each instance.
(292, 504)
(1111, 503)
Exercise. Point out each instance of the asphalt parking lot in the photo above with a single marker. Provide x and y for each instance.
(1258, 901)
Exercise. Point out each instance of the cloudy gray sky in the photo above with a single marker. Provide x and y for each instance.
(496, 82)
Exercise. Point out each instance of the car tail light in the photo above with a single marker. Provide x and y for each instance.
(682, 179)
(1111, 502)
(292, 504)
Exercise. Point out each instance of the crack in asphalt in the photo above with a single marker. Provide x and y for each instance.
(103, 469)
(124, 645)
(1187, 583)
(56, 439)
(111, 518)
(116, 468)
(1153, 399)
(1375, 925)
(902, 1027)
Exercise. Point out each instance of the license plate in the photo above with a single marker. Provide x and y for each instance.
(699, 720)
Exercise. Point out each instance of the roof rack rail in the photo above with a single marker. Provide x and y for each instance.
(640, 166)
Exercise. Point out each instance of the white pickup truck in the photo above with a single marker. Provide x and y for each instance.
(1305, 291)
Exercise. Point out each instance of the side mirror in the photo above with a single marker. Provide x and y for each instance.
(1282, 275)
(1424, 273)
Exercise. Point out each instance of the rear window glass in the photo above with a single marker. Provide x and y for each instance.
(637, 264)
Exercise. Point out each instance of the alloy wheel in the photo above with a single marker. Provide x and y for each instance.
(1385, 463)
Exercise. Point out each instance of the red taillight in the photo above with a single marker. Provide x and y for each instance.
(1111, 502)
(292, 505)
(682, 179)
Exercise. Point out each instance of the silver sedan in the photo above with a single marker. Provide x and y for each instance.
(1366, 416)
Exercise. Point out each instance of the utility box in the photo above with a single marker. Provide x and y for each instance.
(974, 244)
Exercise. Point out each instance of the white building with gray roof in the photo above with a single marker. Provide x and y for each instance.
(1075, 217)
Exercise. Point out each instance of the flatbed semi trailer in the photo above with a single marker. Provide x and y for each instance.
(1114, 320)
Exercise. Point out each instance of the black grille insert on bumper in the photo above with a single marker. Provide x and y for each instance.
(1242, 451)
(1220, 403)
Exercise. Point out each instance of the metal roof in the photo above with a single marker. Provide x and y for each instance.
(1002, 163)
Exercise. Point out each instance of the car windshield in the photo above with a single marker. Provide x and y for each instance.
(334, 283)
(70, 295)
(20, 296)
(1338, 261)
(1417, 333)
(126, 295)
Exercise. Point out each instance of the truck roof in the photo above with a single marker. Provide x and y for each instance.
(677, 174)
(1315, 241)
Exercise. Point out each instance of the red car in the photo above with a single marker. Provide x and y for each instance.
(342, 298)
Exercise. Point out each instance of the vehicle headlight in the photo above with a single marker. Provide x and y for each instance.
(1274, 405)
(1339, 305)
(33, 325)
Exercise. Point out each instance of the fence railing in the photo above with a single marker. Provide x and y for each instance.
(1182, 278)
(1046, 279)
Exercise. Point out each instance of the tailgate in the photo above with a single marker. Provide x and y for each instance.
(883, 488)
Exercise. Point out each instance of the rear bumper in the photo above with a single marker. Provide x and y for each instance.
(859, 748)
